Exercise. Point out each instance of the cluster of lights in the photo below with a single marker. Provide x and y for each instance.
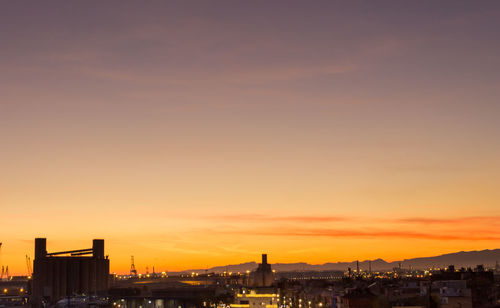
(141, 276)
(317, 278)
(21, 290)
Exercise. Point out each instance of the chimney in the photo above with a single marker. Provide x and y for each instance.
(264, 258)
(98, 249)
(40, 248)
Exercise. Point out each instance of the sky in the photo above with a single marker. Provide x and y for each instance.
(192, 134)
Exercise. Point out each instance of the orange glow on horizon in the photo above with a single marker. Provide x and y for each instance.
(198, 242)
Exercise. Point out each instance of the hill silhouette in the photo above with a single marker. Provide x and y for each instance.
(487, 257)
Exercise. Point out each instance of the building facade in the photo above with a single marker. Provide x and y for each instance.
(83, 272)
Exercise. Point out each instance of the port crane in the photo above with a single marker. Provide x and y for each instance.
(133, 271)
(28, 266)
(5, 272)
(5, 269)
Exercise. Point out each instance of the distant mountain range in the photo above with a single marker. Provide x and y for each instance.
(460, 259)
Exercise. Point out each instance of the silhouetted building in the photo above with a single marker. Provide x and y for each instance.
(454, 293)
(68, 273)
(480, 284)
(360, 298)
(263, 276)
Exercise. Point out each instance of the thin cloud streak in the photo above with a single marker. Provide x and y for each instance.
(458, 220)
(341, 233)
(266, 218)
(407, 220)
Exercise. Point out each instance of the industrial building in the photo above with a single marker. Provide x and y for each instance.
(263, 276)
(82, 272)
(260, 292)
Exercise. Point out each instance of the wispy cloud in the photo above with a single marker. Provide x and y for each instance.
(456, 220)
(405, 220)
(348, 233)
(267, 218)
(473, 228)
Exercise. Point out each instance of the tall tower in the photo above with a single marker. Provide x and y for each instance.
(133, 271)
(263, 276)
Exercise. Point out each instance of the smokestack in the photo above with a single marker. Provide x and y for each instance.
(98, 249)
(40, 248)
(264, 258)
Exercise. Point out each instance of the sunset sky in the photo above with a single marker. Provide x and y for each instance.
(192, 134)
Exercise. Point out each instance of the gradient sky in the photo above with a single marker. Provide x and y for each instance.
(199, 133)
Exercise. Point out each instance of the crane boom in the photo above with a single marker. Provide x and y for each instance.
(133, 271)
(28, 265)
